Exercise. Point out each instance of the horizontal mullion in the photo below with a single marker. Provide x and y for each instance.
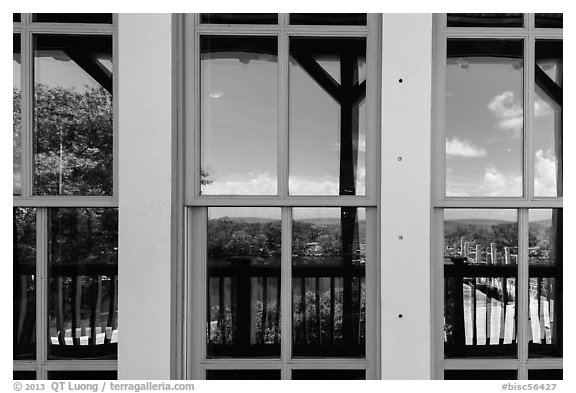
(547, 33)
(545, 363)
(498, 203)
(65, 202)
(69, 28)
(277, 201)
(481, 364)
(79, 364)
(482, 32)
(324, 363)
(24, 364)
(242, 363)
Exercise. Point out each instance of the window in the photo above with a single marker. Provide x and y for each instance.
(65, 225)
(498, 196)
(280, 196)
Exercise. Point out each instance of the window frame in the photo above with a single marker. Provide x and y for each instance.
(522, 204)
(42, 365)
(192, 208)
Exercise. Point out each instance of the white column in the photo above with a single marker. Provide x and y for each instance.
(145, 129)
(406, 177)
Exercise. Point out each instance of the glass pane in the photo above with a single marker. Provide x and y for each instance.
(73, 115)
(243, 374)
(484, 118)
(329, 374)
(327, 113)
(110, 375)
(24, 375)
(328, 19)
(552, 374)
(16, 116)
(239, 120)
(255, 19)
(83, 283)
(72, 18)
(328, 282)
(545, 288)
(16, 17)
(24, 283)
(485, 20)
(548, 80)
(243, 296)
(480, 275)
(554, 21)
(480, 374)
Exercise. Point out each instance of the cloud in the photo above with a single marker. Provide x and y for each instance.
(542, 108)
(545, 173)
(242, 184)
(497, 183)
(463, 148)
(508, 110)
(301, 186)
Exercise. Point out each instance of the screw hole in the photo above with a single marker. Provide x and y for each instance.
(399, 158)
(400, 316)
(400, 80)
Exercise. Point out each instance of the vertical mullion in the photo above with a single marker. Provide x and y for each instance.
(282, 115)
(26, 118)
(286, 291)
(523, 292)
(371, 275)
(41, 290)
(529, 116)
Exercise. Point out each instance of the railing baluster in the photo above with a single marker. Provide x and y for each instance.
(93, 309)
(332, 311)
(264, 308)
(304, 317)
(317, 306)
(221, 310)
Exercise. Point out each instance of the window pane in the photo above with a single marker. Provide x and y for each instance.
(24, 375)
(24, 283)
(552, 374)
(327, 113)
(243, 296)
(72, 18)
(328, 282)
(329, 374)
(328, 19)
(545, 288)
(484, 117)
(17, 116)
(480, 374)
(239, 18)
(480, 275)
(485, 20)
(83, 375)
(548, 80)
(243, 374)
(16, 17)
(554, 21)
(83, 283)
(73, 115)
(239, 120)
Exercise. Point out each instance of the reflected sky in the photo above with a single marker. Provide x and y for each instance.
(484, 122)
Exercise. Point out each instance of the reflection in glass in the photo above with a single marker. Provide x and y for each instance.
(329, 374)
(548, 119)
(328, 282)
(546, 374)
(484, 117)
(24, 283)
(545, 286)
(239, 120)
(24, 375)
(485, 20)
(553, 21)
(16, 116)
(83, 283)
(73, 115)
(73, 18)
(327, 113)
(328, 19)
(110, 375)
(243, 374)
(255, 19)
(480, 276)
(243, 296)
(480, 374)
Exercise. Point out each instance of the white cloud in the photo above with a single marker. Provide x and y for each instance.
(301, 186)
(542, 108)
(508, 109)
(245, 184)
(545, 173)
(497, 183)
(463, 148)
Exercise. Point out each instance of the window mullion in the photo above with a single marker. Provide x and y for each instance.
(26, 102)
(283, 152)
(286, 291)
(529, 117)
(522, 291)
(42, 290)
